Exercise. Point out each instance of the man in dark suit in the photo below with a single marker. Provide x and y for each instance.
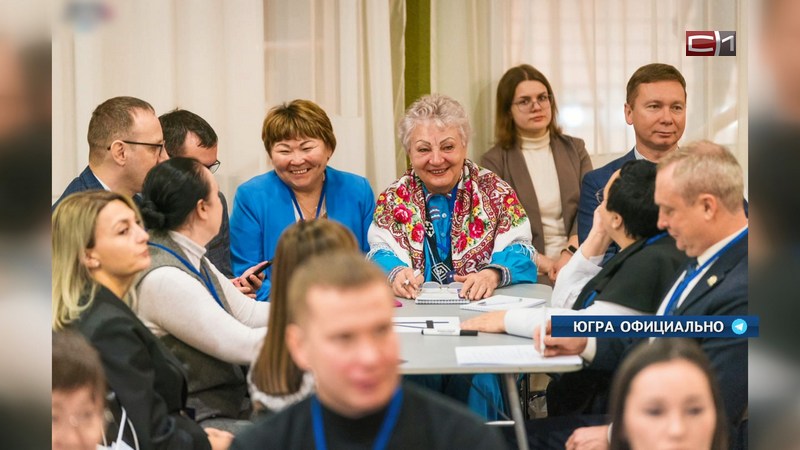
(655, 105)
(698, 192)
(125, 142)
(189, 135)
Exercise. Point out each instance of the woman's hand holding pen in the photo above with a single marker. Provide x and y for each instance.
(407, 282)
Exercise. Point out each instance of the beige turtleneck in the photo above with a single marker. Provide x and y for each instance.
(542, 168)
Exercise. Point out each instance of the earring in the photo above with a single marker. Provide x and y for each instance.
(93, 264)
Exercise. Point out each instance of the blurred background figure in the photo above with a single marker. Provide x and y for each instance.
(543, 165)
(665, 395)
(25, 155)
(79, 389)
(774, 141)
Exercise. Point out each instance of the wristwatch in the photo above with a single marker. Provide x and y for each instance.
(571, 249)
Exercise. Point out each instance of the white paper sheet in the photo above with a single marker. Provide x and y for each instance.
(416, 324)
(509, 355)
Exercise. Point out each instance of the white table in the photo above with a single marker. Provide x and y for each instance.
(424, 355)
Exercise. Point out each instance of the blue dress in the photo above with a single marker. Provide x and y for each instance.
(263, 208)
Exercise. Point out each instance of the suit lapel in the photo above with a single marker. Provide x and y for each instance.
(567, 170)
(715, 274)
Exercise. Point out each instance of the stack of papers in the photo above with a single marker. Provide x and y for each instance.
(504, 302)
(512, 355)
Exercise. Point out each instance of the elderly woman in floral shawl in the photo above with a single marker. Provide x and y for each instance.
(450, 220)
(447, 218)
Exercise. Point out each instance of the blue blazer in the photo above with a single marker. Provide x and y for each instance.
(592, 182)
(86, 181)
(263, 208)
(725, 297)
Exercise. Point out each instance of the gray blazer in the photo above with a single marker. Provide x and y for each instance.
(571, 161)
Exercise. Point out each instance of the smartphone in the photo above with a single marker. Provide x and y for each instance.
(262, 267)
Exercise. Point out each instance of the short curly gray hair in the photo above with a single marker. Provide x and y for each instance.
(440, 109)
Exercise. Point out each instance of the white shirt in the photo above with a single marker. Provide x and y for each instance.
(170, 301)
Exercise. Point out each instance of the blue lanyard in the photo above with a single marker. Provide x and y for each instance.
(590, 299)
(203, 276)
(692, 274)
(384, 433)
(319, 204)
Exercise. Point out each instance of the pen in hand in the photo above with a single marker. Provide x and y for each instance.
(417, 273)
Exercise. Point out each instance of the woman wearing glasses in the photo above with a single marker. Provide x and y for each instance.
(542, 164)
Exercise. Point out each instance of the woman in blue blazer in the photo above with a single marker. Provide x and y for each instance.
(299, 140)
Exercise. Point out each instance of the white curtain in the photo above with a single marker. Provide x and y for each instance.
(202, 55)
(588, 50)
(230, 62)
(338, 53)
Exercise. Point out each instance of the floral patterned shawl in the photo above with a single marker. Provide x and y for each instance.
(487, 218)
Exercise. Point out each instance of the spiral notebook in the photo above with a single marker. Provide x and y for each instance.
(435, 294)
(504, 302)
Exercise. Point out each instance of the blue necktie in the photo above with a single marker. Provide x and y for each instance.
(691, 270)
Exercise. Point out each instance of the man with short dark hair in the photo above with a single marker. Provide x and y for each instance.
(340, 329)
(125, 142)
(655, 105)
(189, 135)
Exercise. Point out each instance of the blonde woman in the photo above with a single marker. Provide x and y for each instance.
(99, 248)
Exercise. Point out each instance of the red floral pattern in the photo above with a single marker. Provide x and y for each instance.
(485, 207)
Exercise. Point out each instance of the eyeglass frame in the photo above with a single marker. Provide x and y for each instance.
(161, 146)
(214, 166)
(544, 101)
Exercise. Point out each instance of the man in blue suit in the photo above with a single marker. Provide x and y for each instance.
(656, 107)
(699, 193)
(125, 142)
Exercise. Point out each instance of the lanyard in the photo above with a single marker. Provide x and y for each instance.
(441, 269)
(319, 204)
(384, 433)
(203, 276)
(590, 299)
(692, 274)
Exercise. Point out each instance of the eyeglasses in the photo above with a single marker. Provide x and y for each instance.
(599, 195)
(214, 166)
(525, 104)
(160, 146)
